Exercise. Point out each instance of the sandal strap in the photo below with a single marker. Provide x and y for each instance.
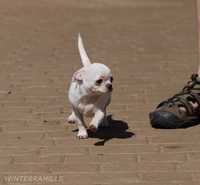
(191, 90)
(162, 103)
(196, 96)
(186, 104)
(182, 100)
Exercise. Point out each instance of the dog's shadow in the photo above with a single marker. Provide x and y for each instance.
(116, 129)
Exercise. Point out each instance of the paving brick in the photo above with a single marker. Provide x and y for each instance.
(191, 166)
(193, 156)
(195, 177)
(72, 150)
(167, 177)
(172, 138)
(20, 150)
(124, 149)
(140, 167)
(34, 159)
(180, 148)
(112, 158)
(102, 178)
(59, 141)
(163, 157)
(25, 138)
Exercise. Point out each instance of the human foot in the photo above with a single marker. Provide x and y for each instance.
(182, 110)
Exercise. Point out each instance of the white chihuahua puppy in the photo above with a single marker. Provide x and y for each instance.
(89, 93)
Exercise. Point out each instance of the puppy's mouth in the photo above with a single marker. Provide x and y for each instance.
(106, 89)
(96, 92)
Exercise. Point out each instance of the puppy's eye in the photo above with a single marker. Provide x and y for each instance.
(98, 82)
(111, 79)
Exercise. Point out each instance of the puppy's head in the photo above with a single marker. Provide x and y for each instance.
(95, 78)
(100, 79)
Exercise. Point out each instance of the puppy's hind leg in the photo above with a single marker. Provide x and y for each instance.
(82, 131)
(72, 118)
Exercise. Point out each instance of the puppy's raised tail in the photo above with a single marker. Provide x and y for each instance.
(84, 57)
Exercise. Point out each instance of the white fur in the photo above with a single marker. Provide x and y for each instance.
(84, 57)
(87, 96)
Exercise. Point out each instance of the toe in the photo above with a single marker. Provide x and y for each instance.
(164, 119)
(82, 137)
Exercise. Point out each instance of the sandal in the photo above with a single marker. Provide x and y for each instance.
(169, 114)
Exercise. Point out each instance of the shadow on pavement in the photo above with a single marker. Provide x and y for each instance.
(116, 129)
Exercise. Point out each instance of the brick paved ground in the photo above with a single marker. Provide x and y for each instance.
(151, 46)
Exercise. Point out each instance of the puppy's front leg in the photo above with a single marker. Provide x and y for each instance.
(72, 118)
(96, 120)
(82, 131)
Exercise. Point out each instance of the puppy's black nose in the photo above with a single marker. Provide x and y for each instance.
(110, 87)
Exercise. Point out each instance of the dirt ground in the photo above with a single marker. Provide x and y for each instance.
(151, 47)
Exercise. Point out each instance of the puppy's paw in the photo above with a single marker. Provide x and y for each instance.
(71, 119)
(82, 134)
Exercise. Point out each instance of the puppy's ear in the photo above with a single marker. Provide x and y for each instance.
(78, 76)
